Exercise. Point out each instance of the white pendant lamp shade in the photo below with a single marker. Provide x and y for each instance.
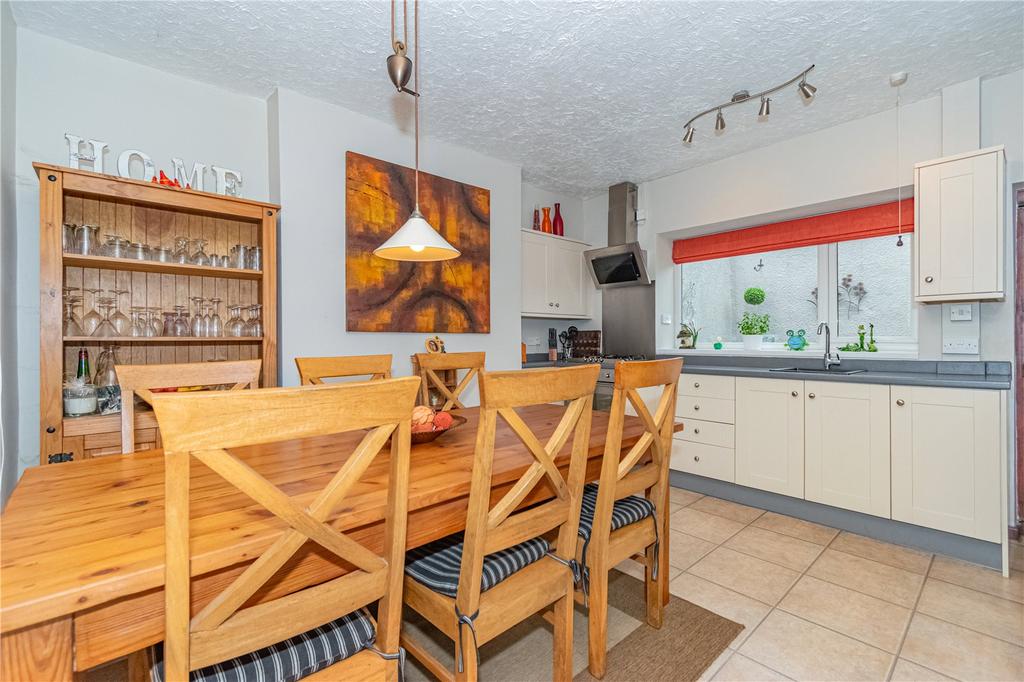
(416, 241)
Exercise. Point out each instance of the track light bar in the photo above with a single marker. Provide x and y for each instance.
(805, 89)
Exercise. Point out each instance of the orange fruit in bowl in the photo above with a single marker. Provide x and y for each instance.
(442, 420)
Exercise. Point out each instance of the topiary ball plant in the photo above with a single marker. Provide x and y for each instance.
(754, 296)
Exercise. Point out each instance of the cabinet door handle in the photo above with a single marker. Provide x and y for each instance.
(696, 458)
(795, 394)
(900, 402)
(556, 305)
(696, 430)
(696, 408)
(929, 279)
(696, 384)
(811, 396)
(551, 305)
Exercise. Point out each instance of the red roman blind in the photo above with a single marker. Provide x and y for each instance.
(858, 223)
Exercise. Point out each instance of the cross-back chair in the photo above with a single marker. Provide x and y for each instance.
(318, 628)
(431, 363)
(476, 585)
(141, 379)
(315, 370)
(633, 488)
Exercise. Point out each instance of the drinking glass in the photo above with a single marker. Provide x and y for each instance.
(115, 246)
(156, 326)
(106, 374)
(138, 327)
(106, 327)
(181, 327)
(168, 326)
(197, 327)
(255, 260)
(91, 319)
(216, 324)
(254, 327)
(181, 254)
(235, 325)
(72, 327)
(199, 257)
(122, 322)
(67, 238)
(85, 239)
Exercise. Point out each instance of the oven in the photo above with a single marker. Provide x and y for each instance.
(605, 388)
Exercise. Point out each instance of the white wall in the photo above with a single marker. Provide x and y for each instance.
(64, 88)
(8, 256)
(570, 207)
(312, 138)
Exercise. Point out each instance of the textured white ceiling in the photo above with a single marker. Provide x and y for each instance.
(582, 94)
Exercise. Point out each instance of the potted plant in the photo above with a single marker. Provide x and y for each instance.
(753, 327)
(688, 335)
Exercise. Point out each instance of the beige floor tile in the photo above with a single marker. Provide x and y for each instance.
(865, 618)
(762, 580)
(726, 603)
(779, 549)
(805, 651)
(907, 671)
(797, 528)
(730, 510)
(979, 578)
(870, 577)
(685, 550)
(739, 668)
(715, 665)
(682, 497)
(961, 653)
(993, 616)
(636, 570)
(908, 559)
(716, 529)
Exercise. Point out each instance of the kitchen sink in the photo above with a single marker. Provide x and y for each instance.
(811, 370)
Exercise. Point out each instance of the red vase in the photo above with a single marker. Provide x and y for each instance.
(558, 225)
(545, 225)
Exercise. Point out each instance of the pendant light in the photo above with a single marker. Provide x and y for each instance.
(416, 240)
(896, 80)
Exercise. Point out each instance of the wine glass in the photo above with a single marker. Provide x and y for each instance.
(181, 327)
(122, 322)
(235, 325)
(156, 326)
(168, 325)
(198, 326)
(254, 327)
(199, 257)
(216, 324)
(138, 327)
(72, 327)
(181, 254)
(91, 319)
(105, 328)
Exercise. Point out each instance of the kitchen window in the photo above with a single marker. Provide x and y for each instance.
(869, 281)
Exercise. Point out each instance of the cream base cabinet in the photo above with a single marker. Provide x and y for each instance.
(958, 230)
(946, 453)
(555, 282)
(846, 446)
(770, 435)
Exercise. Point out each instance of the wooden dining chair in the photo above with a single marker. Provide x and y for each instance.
(430, 364)
(315, 370)
(139, 380)
(474, 586)
(632, 488)
(320, 632)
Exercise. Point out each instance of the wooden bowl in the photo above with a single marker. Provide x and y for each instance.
(430, 436)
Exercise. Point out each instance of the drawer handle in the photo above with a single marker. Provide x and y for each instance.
(696, 458)
(795, 394)
(556, 305)
(551, 305)
(929, 279)
(696, 408)
(696, 384)
(811, 396)
(696, 430)
(900, 402)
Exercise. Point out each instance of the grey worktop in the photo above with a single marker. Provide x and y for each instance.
(987, 375)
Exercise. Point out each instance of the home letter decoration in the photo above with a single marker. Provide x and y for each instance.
(195, 179)
(124, 164)
(75, 152)
(227, 180)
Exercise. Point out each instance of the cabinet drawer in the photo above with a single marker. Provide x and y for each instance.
(704, 460)
(710, 409)
(707, 386)
(709, 433)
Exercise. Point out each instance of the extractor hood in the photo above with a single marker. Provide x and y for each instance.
(622, 263)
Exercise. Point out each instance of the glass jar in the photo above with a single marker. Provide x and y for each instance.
(86, 238)
(137, 251)
(115, 247)
(79, 399)
(162, 254)
(255, 258)
(239, 256)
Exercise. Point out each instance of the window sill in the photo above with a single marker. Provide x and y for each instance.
(909, 354)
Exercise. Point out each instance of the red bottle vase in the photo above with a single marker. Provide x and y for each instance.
(558, 225)
(545, 224)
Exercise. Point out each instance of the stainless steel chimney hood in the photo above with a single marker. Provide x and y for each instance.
(622, 263)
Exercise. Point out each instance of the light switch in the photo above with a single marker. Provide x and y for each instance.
(666, 319)
(960, 313)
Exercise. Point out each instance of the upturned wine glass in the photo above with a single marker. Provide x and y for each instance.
(105, 328)
(199, 256)
(216, 324)
(235, 325)
(121, 322)
(92, 318)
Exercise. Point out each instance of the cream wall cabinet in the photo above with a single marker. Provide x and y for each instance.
(770, 435)
(846, 446)
(555, 281)
(947, 449)
(958, 227)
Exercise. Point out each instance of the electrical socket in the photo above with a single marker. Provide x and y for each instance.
(964, 346)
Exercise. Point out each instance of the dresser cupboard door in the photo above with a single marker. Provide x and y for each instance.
(846, 449)
(945, 459)
(770, 435)
(535, 279)
(565, 273)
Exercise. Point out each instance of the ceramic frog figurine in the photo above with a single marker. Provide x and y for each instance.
(796, 341)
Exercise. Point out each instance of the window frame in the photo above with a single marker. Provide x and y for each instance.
(828, 310)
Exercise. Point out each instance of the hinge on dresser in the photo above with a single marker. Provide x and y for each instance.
(58, 457)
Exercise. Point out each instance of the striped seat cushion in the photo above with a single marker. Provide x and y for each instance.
(624, 512)
(437, 564)
(289, 660)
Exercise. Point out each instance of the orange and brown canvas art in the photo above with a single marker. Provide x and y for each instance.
(391, 296)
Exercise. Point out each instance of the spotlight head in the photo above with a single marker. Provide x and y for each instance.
(688, 135)
(766, 107)
(719, 122)
(806, 90)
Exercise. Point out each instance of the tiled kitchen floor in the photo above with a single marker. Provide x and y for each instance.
(820, 604)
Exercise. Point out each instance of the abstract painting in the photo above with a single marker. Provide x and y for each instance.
(381, 295)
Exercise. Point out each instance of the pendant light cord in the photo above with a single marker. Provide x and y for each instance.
(899, 167)
(405, 24)
(416, 98)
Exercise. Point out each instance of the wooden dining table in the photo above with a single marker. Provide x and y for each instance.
(82, 543)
